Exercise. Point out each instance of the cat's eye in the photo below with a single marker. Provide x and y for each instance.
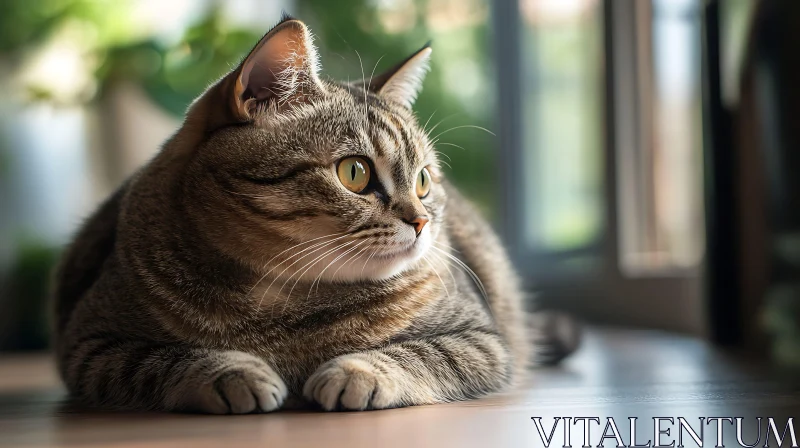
(423, 186)
(354, 173)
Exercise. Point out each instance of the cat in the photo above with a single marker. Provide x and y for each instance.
(295, 238)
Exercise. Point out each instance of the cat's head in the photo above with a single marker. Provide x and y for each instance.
(314, 178)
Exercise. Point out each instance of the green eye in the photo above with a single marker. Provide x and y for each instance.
(354, 173)
(423, 183)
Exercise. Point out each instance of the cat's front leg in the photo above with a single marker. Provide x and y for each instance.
(448, 367)
(227, 382)
(110, 372)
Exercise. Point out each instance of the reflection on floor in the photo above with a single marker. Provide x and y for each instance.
(617, 374)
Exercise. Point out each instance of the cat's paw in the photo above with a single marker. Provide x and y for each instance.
(351, 382)
(243, 386)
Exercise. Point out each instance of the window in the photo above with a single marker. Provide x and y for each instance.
(604, 153)
(562, 123)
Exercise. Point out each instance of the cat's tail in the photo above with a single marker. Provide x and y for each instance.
(554, 335)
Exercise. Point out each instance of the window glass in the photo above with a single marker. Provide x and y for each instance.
(563, 134)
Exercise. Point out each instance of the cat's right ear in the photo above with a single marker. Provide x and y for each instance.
(281, 70)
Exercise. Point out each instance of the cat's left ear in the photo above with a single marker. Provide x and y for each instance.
(403, 82)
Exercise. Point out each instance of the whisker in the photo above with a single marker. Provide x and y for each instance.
(428, 121)
(446, 266)
(369, 85)
(446, 246)
(308, 267)
(354, 257)
(283, 252)
(340, 55)
(437, 274)
(374, 252)
(445, 154)
(451, 144)
(471, 273)
(366, 105)
(446, 163)
(442, 121)
(471, 126)
(331, 264)
(343, 40)
(312, 262)
(316, 248)
(316, 245)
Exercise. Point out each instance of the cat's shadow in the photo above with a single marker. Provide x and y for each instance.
(55, 404)
(69, 407)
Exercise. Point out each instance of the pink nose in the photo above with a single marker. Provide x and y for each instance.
(418, 222)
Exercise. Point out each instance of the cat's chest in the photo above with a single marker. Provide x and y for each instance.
(345, 332)
(350, 325)
(297, 354)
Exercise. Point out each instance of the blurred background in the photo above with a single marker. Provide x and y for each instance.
(643, 167)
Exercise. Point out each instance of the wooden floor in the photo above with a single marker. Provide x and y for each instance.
(617, 373)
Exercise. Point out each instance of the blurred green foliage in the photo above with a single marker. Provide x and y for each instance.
(174, 75)
(25, 23)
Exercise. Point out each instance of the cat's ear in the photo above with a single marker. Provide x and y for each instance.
(280, 71)
(283, 67)
(403, 82)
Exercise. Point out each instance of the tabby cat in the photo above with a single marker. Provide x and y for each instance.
(295, 238)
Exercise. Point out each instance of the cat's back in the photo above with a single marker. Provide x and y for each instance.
(83, 260)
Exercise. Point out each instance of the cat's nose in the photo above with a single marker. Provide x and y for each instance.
(418, 222)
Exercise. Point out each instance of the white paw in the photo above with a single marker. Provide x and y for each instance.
(351, 382)
(240, 388)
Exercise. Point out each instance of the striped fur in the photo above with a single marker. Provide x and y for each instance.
(235, 271)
